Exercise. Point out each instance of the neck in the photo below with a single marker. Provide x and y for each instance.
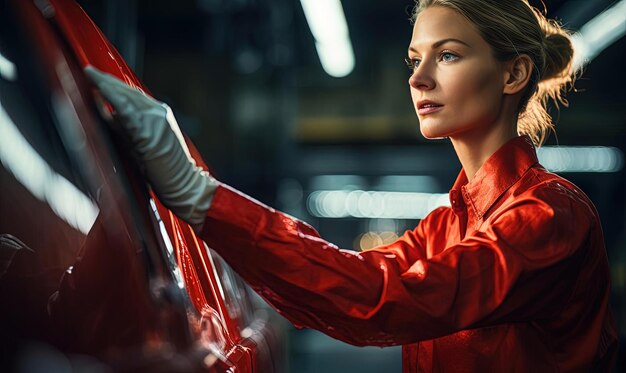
(474, 148)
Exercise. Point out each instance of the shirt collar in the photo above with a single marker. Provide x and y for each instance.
(503, 169)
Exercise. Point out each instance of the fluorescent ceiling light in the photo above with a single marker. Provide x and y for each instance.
(328, 25)
(368, 204)
(581, 158)
(36, 175)
(599, 33)
(337, 58)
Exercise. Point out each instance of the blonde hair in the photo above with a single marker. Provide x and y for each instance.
(513, 28)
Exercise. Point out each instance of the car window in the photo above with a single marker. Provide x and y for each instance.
(44, 203)
(46, 211)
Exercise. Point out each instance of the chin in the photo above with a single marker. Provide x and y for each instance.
(432, 132)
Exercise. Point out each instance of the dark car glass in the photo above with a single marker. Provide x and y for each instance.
(45, 212)
(40, 190)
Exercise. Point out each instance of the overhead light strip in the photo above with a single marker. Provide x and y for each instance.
(599, 33)
(604, 159)
(328, 25)
(374, 204)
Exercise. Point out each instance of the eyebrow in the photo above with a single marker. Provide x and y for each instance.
(443, 41)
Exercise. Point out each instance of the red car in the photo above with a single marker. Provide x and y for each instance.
(94, 270)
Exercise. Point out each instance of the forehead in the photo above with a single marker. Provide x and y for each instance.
(438, 23)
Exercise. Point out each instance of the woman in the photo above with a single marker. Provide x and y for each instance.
(512, 277)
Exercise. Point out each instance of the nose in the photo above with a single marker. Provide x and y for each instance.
(422, 78)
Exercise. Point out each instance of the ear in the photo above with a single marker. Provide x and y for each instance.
(517, 74)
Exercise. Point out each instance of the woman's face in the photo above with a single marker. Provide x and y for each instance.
(457, 84)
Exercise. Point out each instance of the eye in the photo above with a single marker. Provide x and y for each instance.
(412, 63)
(448, 57)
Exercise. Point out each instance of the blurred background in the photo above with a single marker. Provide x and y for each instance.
(305, 106)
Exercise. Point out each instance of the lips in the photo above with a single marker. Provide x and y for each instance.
(427, 107)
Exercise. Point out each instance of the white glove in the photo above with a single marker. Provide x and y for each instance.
(183, 187)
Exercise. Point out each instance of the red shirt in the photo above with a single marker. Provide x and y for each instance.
(513, 277)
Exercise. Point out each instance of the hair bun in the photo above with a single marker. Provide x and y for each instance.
(559, 55)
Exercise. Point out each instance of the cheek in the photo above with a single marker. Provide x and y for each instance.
(476, 96)
(475, 88)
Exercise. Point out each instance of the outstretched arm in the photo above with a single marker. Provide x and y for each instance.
(395, 294)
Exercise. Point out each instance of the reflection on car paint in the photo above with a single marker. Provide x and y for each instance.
(36, 175)
(8, 70)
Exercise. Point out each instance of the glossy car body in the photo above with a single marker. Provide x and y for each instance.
(92, 264)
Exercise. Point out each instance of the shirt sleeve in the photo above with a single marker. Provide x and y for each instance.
(519, 268)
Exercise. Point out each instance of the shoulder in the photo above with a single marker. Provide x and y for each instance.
(546, 205)
(558, 192)
(540, 187)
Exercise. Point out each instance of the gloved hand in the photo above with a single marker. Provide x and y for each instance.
(183, 187)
